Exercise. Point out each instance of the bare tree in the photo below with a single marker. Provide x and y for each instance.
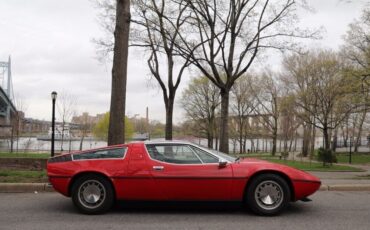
(200, 101)
(268, 96)
(297, 79)
(223, 38)
(243, 104)
(156, 26)
(21, 106)
(157, 29)
(85, 123)
(66, 105)
(357, 52)
(326, 99)
(107, 20)
(289, 122)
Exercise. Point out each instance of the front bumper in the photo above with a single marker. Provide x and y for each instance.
(305, 188)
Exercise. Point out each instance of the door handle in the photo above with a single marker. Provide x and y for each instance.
(158, 168)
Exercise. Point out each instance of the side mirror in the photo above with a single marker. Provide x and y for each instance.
(222, 164)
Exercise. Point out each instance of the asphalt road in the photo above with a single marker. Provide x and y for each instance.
(328, 210)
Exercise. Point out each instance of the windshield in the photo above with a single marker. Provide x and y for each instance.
(219, 154)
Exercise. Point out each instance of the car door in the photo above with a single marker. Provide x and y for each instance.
(181, 173)
(137, 183)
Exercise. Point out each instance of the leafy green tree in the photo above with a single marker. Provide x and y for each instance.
(100, 130)
(324, 95)
(156, 129)
(356, 52)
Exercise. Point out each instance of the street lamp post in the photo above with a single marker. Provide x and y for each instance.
(53, 98)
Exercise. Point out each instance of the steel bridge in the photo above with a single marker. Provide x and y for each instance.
(7, 108)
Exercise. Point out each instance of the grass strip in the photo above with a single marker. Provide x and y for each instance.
(23, 176)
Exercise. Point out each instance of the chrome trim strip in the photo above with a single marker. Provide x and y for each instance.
(179, 177)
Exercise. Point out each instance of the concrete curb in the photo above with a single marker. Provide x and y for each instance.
(25, 187)
(345, 187)
(349, 187)
(45, 187)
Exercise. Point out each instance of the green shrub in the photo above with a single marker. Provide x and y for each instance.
(326, 156)
(284, 155)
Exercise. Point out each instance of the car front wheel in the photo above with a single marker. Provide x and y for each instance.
(92, 194)
(268, 194)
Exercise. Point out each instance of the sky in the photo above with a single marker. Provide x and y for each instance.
(50, 43)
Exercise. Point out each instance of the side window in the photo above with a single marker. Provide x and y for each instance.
(101, 154)
(177, 154)
(204, 156)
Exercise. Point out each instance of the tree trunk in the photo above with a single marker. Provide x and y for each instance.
(335, 140)
(295, 141)
(224, 132)
(209, 138)
(313, 136)
(325, 132)
(306, 140)
(169, 117)
(285, 144)
(241, 137)
(274, 143)
(357, 142)
(245, 145)
(116, 131)
(210, 130)
(62, 140)
(82, 141)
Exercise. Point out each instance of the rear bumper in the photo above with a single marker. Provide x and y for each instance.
(60, 184)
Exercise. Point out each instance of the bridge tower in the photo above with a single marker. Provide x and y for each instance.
(6, 78)
(6, 92)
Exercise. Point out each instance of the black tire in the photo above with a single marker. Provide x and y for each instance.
(267, 194)
(92, 194)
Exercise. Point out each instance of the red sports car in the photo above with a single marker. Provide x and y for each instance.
(175, 171)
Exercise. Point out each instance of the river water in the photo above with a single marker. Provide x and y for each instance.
(31, 144)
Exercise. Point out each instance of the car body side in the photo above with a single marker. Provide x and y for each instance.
(133, 177)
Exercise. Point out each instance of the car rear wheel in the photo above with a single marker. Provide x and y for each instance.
(268, 194)
(92, 194)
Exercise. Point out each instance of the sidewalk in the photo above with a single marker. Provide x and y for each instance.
(345, 181)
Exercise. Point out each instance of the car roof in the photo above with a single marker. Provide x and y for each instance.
(167, 142)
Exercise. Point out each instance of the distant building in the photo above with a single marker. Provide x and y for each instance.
(86, 118)
(30, 125)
